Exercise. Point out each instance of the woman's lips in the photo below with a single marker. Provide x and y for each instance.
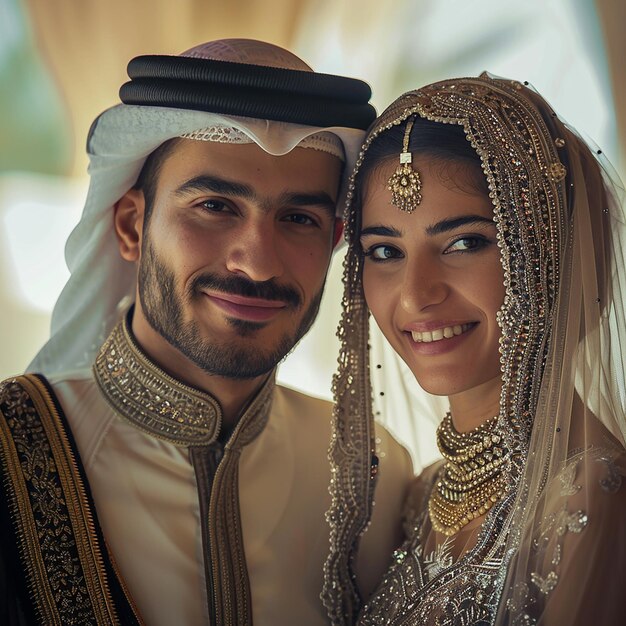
(439, 334)
(249, 309)
(439, 340)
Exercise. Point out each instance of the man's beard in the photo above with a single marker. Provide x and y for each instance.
(162, 307)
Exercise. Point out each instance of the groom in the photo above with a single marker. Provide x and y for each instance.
(152, 470)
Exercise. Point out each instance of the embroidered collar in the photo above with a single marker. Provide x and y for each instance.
(153, 401)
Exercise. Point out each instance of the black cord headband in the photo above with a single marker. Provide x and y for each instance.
(246, 90)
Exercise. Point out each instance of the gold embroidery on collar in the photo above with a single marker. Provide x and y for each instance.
(254, 417)
(160, 405)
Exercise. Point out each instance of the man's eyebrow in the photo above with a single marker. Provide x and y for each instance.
(232, 188)
(383, 231)
(303, 199)
(447, 225)
(214, 184)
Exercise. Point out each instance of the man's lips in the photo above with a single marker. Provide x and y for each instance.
(242, 307)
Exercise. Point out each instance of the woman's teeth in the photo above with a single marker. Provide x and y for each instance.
(441, 333)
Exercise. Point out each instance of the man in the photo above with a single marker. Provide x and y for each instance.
(156, 474)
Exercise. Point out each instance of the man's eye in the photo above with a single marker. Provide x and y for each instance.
(300, 219)
(213, 206)
(382, 253)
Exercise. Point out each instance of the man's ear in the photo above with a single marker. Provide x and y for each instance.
(129, 216)
(338, 231)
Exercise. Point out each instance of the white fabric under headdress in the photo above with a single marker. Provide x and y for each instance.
(101, 283)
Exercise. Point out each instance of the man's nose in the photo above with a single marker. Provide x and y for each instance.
(255, 251)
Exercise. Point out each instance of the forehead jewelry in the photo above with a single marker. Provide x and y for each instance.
(405, 184)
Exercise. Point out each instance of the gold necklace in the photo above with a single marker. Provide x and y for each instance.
(471, 480)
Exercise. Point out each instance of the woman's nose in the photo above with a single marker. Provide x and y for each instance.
(423, 285)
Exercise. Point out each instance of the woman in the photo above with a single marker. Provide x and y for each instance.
(489, 246)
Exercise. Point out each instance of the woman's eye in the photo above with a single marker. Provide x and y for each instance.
(382, 253)
(467, 244)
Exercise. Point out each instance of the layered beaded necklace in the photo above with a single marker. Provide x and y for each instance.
(471, 480)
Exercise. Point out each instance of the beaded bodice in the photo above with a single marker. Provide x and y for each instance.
(430, 586)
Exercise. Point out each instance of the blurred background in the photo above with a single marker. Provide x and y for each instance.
(62, 62)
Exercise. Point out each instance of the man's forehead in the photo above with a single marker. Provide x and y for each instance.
(191, 155)
(302, 177)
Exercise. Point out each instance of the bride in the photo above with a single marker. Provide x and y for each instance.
(488, 243)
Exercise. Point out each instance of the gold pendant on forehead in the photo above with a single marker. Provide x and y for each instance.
(405, 183)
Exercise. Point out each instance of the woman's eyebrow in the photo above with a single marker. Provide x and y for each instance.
(453, 223)
(384, 231)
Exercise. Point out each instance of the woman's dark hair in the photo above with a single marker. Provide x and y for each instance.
(446, 143)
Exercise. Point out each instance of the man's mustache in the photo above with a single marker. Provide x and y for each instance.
(237, 285)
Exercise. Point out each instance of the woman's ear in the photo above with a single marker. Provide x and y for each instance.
(129, 216)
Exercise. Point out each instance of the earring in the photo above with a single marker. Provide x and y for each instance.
(405, 183)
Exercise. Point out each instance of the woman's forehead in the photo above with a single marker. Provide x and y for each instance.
(442, 180)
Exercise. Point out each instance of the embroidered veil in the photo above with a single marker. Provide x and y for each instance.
(553, 549)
